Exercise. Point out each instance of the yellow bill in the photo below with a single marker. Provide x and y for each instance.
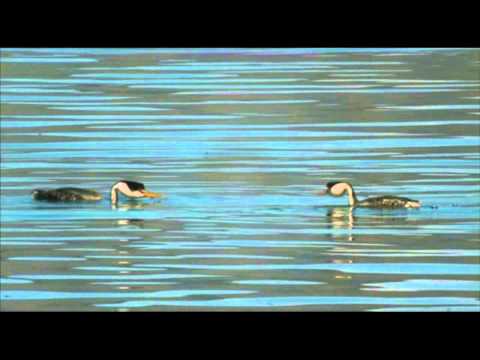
(151, 194)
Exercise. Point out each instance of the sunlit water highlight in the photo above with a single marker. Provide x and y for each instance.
(239, 140)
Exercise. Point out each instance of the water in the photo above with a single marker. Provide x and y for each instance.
(238, 140)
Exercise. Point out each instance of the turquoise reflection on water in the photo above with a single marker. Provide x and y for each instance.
(111, 277)
(45, 60)
(427, 285)
(431, 309)
(52, 295)
(4, 281)
(301, 301)
(366, 268)
(313, 91)
(239, 140)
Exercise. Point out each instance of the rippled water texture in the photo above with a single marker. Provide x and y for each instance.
(238, 140)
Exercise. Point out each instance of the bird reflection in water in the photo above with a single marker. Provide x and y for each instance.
(135, 222)
(341, 218)
(123, 251)
(131, 205)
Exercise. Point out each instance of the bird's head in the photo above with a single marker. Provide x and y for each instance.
(132, 189)
(336, 188)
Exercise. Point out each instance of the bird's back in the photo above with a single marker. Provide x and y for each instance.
(66, 194)
(389, 202)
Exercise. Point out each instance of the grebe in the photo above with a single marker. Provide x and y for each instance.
(339, 188)
(128, 188)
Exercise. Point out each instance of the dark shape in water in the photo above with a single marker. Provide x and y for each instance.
(131, 189)
(339, 188)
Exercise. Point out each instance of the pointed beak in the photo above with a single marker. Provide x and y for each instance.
(151, 194)
(321, 192)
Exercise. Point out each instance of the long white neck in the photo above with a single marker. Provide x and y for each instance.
(114, 194)
(339, 189)
(352, 199)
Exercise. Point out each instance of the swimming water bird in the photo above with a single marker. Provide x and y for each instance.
(131, 189)
(339, 188)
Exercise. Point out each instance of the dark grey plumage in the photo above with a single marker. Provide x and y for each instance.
(66, 194)
(387, 202)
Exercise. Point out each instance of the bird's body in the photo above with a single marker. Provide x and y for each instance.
(66, 194)
(388, 202)
(339, 188)
(128, 188)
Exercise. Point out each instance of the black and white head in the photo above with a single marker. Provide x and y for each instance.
(336, 188)
(131, 189)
